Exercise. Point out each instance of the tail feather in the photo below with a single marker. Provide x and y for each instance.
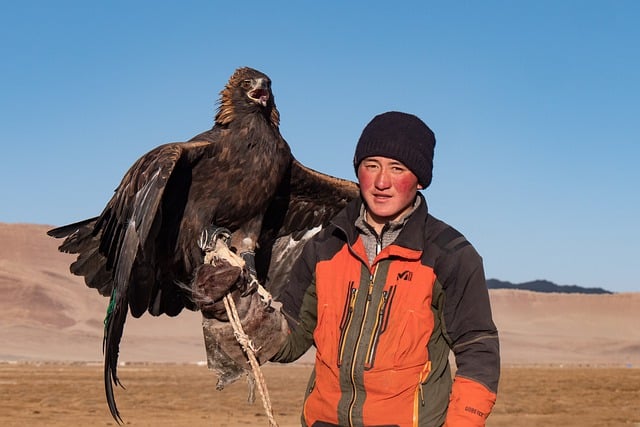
(113, 328)
(81, 238)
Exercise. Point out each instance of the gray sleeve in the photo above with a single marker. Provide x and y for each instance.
(468, 319)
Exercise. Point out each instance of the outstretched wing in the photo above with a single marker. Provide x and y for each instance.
(117, 250)
(120, 251)
(306, 202)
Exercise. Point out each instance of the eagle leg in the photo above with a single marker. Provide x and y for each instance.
(249, 258)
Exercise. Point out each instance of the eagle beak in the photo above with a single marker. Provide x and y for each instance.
(260, 95)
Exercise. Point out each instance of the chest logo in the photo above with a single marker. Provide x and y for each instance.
(405, 275)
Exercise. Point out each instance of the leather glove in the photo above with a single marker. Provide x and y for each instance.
(223, 272)
(266, 328)
(212, 283)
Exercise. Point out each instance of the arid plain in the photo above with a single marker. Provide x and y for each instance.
(568, 359)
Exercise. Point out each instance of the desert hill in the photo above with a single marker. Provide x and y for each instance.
(544, 286)
(48, 314)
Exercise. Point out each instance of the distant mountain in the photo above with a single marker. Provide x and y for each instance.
(545, 286)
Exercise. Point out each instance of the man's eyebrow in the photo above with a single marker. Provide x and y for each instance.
(397, 163)
(391, 162)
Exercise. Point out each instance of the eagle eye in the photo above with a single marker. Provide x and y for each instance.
(246, 84)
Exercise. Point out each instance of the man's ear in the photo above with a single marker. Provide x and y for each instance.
(420, 187)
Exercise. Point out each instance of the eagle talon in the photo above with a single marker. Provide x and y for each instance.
(265, 295)
(251, 286)
(210, 235)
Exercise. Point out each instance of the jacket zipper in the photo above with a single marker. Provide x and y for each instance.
(377, 329)
(362, 324)
(354, 399)
(346, 323)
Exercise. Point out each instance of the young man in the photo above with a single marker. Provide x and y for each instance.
(384, 293)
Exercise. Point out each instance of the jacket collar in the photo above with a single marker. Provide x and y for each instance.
(411, 236)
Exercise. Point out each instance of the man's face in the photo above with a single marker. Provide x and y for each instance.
(388, 188)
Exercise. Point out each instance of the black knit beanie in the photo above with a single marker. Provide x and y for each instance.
(400, 136)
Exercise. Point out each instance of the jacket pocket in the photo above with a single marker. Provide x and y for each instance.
(325, 335)
(411, 350)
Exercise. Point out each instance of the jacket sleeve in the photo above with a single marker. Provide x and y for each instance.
(470, 404)
(299, 306)
(472, 334)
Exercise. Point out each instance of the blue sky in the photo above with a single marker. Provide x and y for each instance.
(535, 106)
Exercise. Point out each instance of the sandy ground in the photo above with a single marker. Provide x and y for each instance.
(185, 395)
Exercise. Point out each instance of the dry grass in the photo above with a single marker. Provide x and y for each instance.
(185, 395)
(568, 397)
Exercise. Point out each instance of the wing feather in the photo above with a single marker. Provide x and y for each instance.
(117, 249)
(138, 206)
(306, 202)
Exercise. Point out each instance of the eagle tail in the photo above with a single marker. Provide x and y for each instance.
(113, 328)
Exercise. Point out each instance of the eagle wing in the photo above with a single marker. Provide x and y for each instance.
(118, 250)
(117, 246)
(305, 203)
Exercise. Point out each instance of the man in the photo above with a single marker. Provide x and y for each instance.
(384, 293)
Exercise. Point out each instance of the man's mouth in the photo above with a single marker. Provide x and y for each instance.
(381, 197)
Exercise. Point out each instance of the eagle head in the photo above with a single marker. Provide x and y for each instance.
(247, 91)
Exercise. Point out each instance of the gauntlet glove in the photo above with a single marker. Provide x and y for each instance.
(224, 273)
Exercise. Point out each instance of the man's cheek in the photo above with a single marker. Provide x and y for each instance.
(365, 180)
(405, 184)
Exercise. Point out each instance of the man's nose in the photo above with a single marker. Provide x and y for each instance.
(382, 180)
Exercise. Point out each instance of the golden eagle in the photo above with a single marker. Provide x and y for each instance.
(240, 175)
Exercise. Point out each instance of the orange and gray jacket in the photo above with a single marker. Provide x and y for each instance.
(383, 330)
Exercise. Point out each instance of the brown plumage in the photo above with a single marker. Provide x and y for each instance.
(143, 248)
